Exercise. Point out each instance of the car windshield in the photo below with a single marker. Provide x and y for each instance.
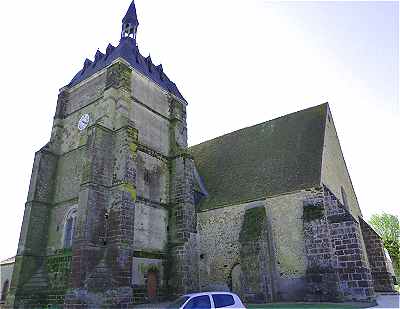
(178, 303)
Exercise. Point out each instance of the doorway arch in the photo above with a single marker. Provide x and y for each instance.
(236, 279)
(152, 284)
(4, 290)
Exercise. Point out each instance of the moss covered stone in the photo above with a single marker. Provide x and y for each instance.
(133, 150)
(59, 270)
(253, 224)
(128, 187)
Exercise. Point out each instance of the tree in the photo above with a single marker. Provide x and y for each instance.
(387, 226)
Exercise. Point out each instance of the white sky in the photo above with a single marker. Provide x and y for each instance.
(238, 63)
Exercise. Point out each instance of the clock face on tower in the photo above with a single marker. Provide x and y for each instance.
(83, 122)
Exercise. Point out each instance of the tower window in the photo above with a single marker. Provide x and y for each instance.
(69, 227)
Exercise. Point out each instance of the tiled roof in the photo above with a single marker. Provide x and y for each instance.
(274, 157)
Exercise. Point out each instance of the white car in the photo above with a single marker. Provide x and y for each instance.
(207, 300)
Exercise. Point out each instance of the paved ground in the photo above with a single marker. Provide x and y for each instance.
(155, 306)
(388, 301)
(302, 306)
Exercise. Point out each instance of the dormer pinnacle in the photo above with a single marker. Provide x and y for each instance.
(130, 23)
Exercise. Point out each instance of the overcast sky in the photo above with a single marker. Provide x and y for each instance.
(238, 63)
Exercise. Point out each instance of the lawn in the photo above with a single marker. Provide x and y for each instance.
(301, 306)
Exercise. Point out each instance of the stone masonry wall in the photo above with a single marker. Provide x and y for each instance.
(382, 278)
(151, 228)
(234, 251)
(150, 94)
(153, 128)
(337, 265)
(86, 93)
(67, 182)
(219, 231)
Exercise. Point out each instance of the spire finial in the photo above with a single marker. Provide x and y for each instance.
(130, 22)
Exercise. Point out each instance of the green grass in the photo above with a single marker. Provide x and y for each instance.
(301, 306)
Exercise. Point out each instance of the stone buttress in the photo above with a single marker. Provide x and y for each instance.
(183, 239)
(255, 258)
(29, 282)
(338, 267)
(382, 278)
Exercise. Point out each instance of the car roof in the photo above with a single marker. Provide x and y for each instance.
(208, 293)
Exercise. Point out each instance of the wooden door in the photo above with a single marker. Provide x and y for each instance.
(152, 285)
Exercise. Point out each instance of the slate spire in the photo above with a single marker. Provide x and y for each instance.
(128, 50)
(130, 22)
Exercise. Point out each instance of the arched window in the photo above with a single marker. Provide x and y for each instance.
(69, 227)
(4, 291)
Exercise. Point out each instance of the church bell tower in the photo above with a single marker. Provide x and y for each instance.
(110, 219)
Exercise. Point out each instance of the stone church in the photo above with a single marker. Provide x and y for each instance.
(120, 211)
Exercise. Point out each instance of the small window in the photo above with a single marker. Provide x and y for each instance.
(199, 302)
(344, 198)
(146, 177)
(69, 228)
(223, 300)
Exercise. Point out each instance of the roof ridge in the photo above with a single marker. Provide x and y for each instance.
(8, 261)
(262, 123)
